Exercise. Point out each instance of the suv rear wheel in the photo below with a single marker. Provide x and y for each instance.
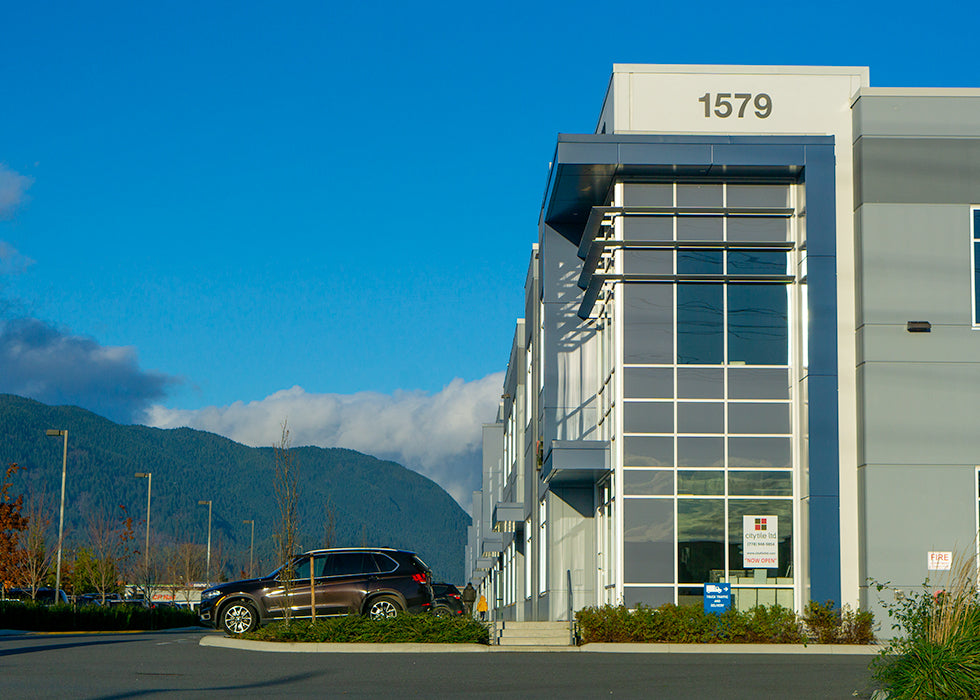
(384, 607)
(239, 617)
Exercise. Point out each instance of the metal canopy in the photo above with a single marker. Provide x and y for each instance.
(507, 516)
(585, 166)
(576, 462)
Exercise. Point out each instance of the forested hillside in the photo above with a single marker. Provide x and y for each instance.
(344, 497)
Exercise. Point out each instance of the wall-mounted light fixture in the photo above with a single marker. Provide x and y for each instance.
(918, 327)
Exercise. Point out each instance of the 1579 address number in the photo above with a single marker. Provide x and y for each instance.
(727, 104)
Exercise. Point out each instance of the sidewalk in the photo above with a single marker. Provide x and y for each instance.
(218, 640)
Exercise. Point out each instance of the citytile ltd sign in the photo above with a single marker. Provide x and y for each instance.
(760, 542)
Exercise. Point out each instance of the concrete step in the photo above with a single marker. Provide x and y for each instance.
(510, 633)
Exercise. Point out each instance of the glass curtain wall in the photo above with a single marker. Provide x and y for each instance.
(707, 391)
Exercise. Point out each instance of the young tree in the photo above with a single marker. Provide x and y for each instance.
(12, 523)
(284, 483)
(110, 546)
(35, 556)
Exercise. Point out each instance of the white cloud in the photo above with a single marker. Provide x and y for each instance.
(438, 435)
(11, 261)
(13, 190)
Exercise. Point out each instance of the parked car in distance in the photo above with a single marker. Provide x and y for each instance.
(448, 600)
(45, 596)
(374, 581)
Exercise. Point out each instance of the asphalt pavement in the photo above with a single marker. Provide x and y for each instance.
(176, 664)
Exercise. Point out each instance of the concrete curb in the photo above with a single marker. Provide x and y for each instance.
(215, 640)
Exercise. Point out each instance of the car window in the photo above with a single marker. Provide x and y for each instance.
(351, 564)
(384, 563)
(301, 566)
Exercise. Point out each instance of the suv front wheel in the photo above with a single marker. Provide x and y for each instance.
(239, 617)
(384, 607)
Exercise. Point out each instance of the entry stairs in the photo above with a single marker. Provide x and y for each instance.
(507, 633)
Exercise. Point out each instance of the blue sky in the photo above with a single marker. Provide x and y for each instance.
(227, 214)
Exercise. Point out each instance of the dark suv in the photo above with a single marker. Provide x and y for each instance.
(376, 582)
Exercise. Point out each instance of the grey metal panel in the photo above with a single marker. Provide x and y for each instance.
(916, 116)
(914, 264)
(740, 154)
(508, 513)
(665, 154)
(912, 510)
(920, 412)
(924, 171)
(893, 343)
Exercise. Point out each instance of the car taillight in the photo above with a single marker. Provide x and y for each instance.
(457, 597)
(419, 578)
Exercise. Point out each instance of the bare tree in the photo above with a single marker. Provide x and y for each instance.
(284, 482)
(36, 557)
(110, 543)
(185, 566)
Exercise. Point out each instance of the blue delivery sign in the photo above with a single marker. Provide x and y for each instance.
(717, 597)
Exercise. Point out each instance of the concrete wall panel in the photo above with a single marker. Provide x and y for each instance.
(918, 413)
(915, 263)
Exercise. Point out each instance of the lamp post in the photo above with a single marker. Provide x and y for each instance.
(149, 488)
(251, 548)
(208, 504)
(61, 516)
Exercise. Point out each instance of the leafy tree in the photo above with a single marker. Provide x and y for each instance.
(12, 523)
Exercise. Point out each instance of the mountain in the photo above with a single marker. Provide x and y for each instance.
(372, 502)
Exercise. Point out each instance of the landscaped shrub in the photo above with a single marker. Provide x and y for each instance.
(939, 654)
(690, 625)
(419, 629)
(31, 616)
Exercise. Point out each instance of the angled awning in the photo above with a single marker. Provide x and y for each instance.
(576, 462)
(507, 516)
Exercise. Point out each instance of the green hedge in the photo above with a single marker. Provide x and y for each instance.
(35, 617)
(822, 623)
(419, 629)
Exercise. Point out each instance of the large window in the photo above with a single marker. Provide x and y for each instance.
(707, 403)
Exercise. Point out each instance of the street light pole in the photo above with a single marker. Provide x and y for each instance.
(208, 504)
(251, 549)
(61, 516)
(149, 488)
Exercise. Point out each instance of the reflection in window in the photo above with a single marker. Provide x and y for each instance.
(648, 417)
(653, 597)
(701, 452)
(699, 228)
(648, 228)
(648, 332)
(760, 483)
(700, 417)
(700, 483)
(700, 538)
(759, 452)
(648, 540)
(700, 262)
(648, 451)
(648, 482)
(648, 195)
(700, 383)
(649, 262)
(758, 196)
(758, 383)
(699, 324)
(761, 418)
(742, 229)
(757, 262)
(758, 324)
(648, 383)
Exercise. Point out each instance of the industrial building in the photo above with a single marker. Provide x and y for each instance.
(750, 348)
